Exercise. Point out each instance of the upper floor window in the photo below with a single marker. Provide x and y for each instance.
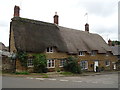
(81, 53)
(93, 53)
(107, 53)
(49, 50)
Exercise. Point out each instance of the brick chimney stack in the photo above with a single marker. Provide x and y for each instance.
(16, 11)
(109, 42)
(56, 18)
(87, 27)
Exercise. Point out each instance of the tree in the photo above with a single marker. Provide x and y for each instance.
(115, 43)
(72, 65)
(40, 63)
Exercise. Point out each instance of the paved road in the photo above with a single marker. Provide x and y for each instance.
(97, 81)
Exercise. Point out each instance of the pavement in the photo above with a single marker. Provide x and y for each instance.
(57, 74)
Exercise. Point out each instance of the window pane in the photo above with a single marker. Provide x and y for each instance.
(52, 63)
(30, 62)
(84, 65)
(51, 49)
(48, 49)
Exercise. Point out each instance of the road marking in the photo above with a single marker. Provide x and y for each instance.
(107, 82)
(63, 80)
(29, 78)
(40, 78)
(77, 81)
(52, 79)
(94, 82)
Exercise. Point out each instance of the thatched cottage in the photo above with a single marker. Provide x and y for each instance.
(58, 43)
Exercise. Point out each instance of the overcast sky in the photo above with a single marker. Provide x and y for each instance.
(102, 15)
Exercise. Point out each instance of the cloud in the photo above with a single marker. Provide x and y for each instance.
(102, 8)
(4, 35)
(102, 14)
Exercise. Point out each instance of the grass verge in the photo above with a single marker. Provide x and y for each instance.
(66, 73)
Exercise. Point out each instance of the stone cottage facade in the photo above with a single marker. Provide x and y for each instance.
(58, 43)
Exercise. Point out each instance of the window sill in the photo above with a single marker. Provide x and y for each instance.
(30, 66)
(92, 55)
(50, 67)
(49, 52)
(81, 55)
(60, 66)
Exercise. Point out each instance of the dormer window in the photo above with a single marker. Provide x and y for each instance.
(93, 53)
(107, 63)
(49, 50)
(81, 53)
(107, 53)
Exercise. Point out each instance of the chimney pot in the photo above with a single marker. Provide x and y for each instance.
(16, 11)
(109, 42)
(56, 18)
(87, 27)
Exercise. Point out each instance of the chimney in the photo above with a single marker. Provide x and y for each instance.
(109, 42)
(87, 27)
(56, 18)
(16, 11)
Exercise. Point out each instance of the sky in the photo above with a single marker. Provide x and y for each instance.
(102, 15)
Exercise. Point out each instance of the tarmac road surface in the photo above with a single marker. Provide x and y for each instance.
(97, 81)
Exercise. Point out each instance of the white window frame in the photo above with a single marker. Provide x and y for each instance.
(93, 53)
(85, 63)
(81, 53)
(30, 62)
(107, 63)
(62, 62)
(51, 63)
(49, 50)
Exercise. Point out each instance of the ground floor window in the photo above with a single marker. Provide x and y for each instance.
(84, 65)
(30, 62)
(107, 63)
(50, 63)
(62, 62)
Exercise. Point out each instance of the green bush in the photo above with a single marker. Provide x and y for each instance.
(22, 56)
(58, 70)
(72, 65)
(40, 63)
(102, 69)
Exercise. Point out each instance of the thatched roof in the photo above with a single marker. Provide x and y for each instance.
(36, 36)
(116, 50)
(2, 46)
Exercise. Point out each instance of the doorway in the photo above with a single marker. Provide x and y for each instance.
(95, 65)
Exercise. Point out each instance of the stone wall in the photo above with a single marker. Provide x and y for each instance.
(101, 58)
(7, 64)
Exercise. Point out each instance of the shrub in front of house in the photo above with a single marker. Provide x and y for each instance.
(22, 56)
(40, 63)
(72, 65)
